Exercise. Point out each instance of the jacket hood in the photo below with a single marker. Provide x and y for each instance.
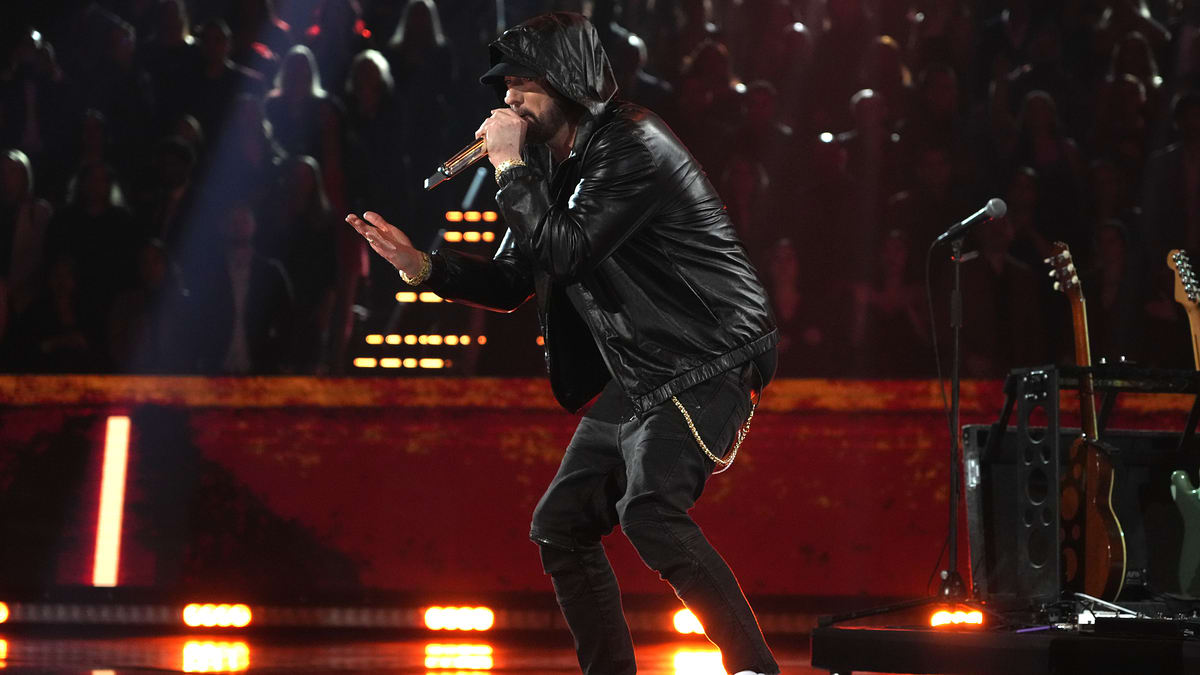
(566, 48)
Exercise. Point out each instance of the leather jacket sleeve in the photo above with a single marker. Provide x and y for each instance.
(501, 284)
(614, 196)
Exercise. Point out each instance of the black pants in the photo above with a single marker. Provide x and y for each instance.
(646, 475)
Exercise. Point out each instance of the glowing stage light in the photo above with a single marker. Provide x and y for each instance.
(374, 339)
(432, 363)
(698, 662)
(410, 363)
(452, 340)
(490, 216)
(112, 502)
(489, 236)
(3, 612)
(453, 236)
(482, 339)
(541, 341)
(458, 657)
(423, 339)
(393, 339)
(365, 362)
(472, 216)
(454, 216)
(410, 339)
(687, 623)
(958, 617)
(219, 616)
(215, 657)
(472, 236)
(459, 618)
(426, 296)
(435, 339)
(389, 363)
(406, 296)
(464, 339)
(3, 652)
(826, 137)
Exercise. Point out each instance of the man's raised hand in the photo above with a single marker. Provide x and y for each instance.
(388, 241)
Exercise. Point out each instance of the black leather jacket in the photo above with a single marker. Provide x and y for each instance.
(626, 245)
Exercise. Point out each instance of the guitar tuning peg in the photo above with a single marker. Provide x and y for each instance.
(1051, 273)
(1071, 268)
(1057, 286)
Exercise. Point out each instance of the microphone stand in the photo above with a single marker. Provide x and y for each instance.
(952, 584)
(951, 588)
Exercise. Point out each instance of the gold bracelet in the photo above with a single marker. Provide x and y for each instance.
(422, 275)
(506, 165)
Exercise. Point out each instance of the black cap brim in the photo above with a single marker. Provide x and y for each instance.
(497, 73)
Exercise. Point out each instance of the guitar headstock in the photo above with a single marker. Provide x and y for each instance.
(1187, 288)
(1066, 277)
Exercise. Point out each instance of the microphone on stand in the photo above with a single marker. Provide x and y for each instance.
(995, 208)
(455, 165)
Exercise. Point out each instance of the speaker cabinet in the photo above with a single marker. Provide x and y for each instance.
(1012, 506)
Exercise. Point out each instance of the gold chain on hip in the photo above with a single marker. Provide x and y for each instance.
(743, 431)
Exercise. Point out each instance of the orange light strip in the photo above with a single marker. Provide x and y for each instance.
(112, 502)
(687, 623)
(3, 612)
(215, 657)
(469, 236)
(459, 618)
(394, 362)
(210, 615)
(956, 618)
(698, 662)
(458, 657)
(412, 296)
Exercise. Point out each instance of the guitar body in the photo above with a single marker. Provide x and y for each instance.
(1093, 544)
(1187, 500)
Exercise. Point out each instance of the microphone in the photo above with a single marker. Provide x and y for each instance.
(455, 165)
(996, 208)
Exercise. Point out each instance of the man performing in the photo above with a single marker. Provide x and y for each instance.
(646, 297)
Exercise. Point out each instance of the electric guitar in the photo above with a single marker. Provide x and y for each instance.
(1093, 545)
(1186, 496)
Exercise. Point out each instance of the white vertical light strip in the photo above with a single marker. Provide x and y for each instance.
(112, 502)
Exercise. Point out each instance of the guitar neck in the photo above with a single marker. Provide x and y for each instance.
(1083, 358)
(1193, 315)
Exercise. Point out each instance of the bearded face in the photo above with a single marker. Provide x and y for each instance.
(547, 120)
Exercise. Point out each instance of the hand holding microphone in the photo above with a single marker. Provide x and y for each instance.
(500, 138)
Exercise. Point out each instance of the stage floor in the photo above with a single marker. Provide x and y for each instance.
(334, 654)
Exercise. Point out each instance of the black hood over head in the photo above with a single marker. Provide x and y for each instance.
(566, 48)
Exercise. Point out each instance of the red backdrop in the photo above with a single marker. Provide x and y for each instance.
(428, 484)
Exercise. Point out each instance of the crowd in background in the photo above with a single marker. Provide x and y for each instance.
(173, 173)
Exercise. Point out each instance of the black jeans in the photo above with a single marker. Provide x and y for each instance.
(646, 475)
